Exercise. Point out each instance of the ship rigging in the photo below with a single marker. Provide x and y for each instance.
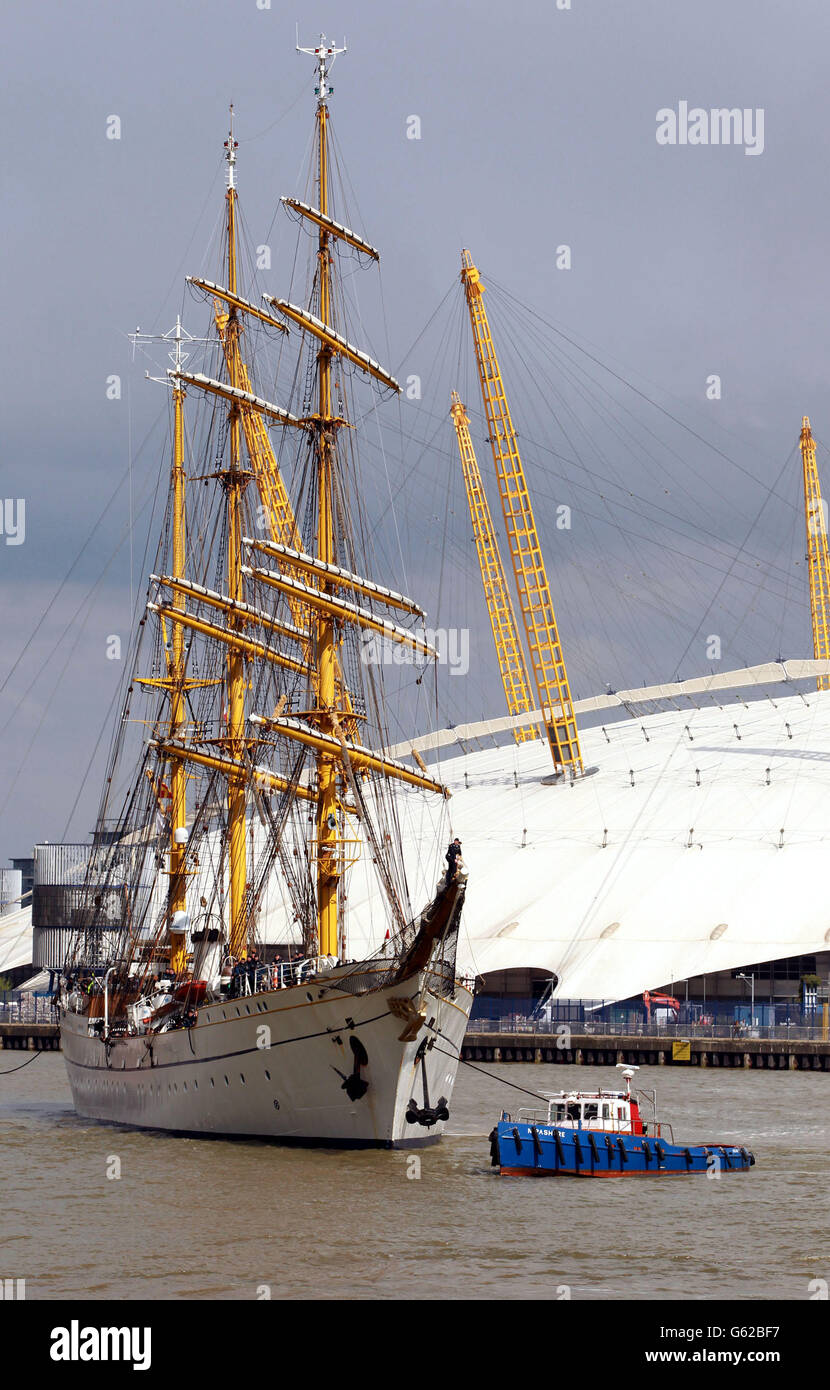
(265, 767)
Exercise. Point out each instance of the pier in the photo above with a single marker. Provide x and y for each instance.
(32, 1037)
(773, 1049)
(28, 1022)
(790, 1052)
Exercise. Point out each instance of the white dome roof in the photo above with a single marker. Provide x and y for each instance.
(693, 877)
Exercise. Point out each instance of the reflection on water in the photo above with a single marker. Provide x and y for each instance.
(193, 1218)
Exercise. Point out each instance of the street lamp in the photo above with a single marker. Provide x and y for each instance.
(751, 979)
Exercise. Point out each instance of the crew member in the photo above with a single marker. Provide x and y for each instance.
(452, 856)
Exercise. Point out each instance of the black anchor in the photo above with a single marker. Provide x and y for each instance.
(354, 1085)
(427, 1115)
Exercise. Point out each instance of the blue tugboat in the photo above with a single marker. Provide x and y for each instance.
(601, 1134)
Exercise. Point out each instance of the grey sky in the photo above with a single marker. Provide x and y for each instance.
(538, 129)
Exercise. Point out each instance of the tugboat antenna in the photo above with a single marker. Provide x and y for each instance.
(628, 1069)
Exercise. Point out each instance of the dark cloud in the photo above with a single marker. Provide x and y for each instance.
(538, 129)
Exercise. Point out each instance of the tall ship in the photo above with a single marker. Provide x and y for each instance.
(250, 761)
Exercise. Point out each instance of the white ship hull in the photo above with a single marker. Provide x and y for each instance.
(276, 1064)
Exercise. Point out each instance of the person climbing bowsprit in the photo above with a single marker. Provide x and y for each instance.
(453, 857)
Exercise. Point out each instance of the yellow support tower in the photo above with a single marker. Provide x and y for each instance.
(512, 665)
(818, 557)
(549, 673)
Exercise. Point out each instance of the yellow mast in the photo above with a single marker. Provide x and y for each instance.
(818, 558)
(178, 772)
(512, 665)
(235, 482)
(329, 727)
(327, 821)
(175, 681)
(547, 662)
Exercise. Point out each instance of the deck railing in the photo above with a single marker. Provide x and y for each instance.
(561, 1030)
(24, 1006)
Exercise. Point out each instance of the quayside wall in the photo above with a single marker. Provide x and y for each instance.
(588, 1049)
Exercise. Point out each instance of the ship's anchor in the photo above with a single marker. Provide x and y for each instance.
(354, 1085)
(428, 1115)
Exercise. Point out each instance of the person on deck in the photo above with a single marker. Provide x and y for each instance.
(452, 856)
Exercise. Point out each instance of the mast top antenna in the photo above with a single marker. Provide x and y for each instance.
(325, 55)
(179, 337)
(231, 146)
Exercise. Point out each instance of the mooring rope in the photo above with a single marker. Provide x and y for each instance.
(457, 1058)
(9, 1071)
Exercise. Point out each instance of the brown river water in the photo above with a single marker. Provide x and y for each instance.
(217, 1219)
